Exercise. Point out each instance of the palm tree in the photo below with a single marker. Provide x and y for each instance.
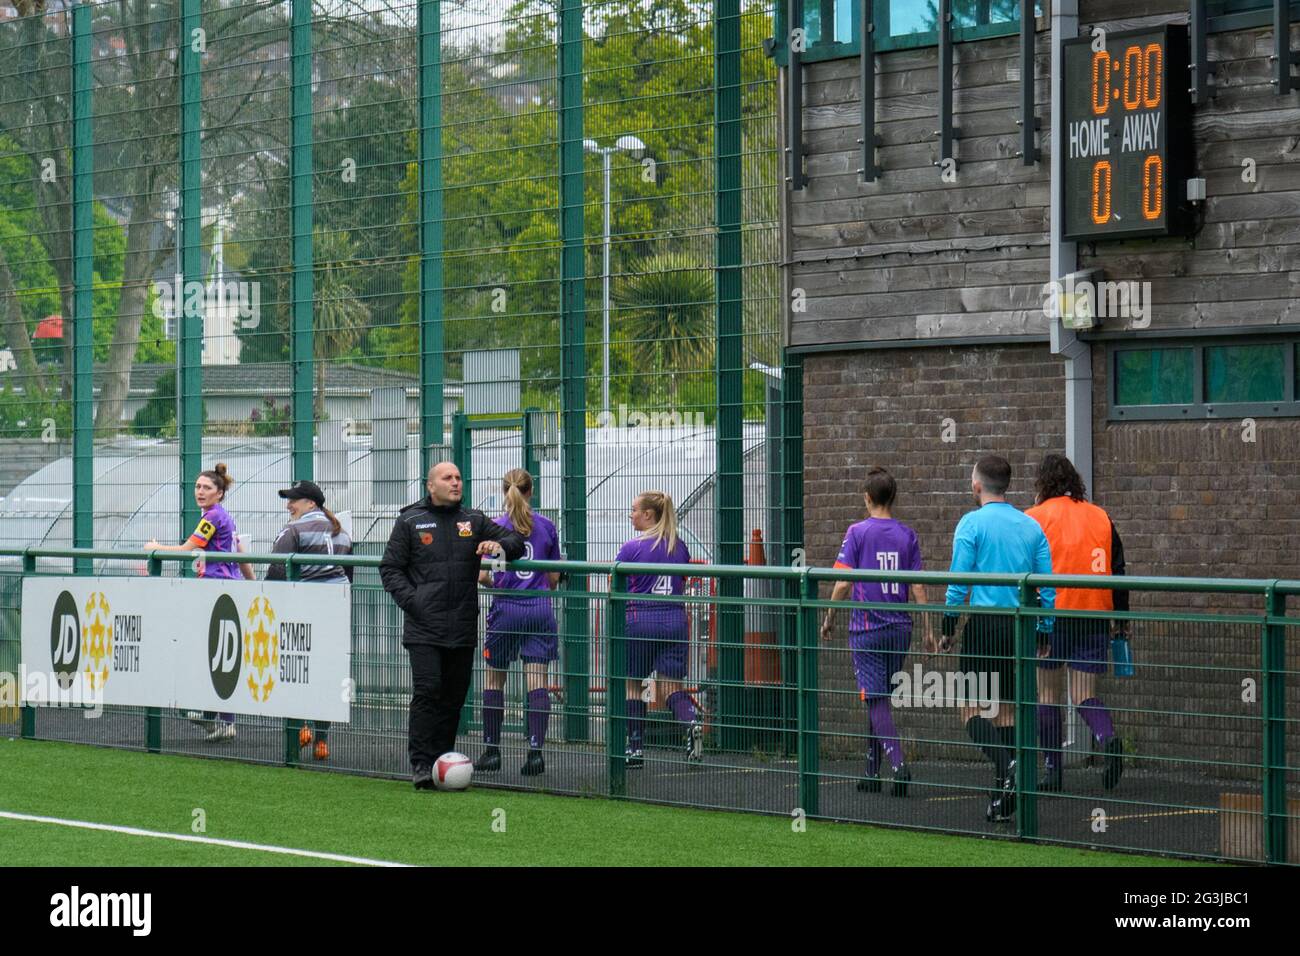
(667, 311)
(340, 317)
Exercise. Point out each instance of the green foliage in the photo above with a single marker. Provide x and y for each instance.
(271, 420)
(36, 415)
(157, 417)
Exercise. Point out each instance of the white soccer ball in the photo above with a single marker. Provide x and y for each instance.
(452, 771)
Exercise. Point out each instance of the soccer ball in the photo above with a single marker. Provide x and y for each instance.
(452, 771)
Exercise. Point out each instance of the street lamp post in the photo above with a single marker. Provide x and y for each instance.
(634, 146)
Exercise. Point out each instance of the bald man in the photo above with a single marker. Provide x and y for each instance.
(431, 568)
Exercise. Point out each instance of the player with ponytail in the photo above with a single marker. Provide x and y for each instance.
(215, 533)
(520, 623)
(657, 638)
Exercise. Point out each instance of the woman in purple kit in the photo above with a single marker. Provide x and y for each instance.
(215, 533)
(520, 624)
(879, 639)
(657, 639)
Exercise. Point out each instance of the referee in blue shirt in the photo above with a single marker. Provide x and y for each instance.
(995, 538)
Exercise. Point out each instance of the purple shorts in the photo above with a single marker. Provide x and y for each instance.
(1081, 643)
(520, 628)
(877, 656)
(656, 641)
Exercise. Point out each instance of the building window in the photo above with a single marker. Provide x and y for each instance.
(1205, 379)
(832, 27)
(1155, 377)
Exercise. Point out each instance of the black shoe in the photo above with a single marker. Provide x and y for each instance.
(633, 759)
(1114, 768)
(422, 777)
(488, 761)
(868, 784)
(902, 777)
(1052, 781)
(534, 765)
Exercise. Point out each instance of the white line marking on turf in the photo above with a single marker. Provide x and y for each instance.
(187, 838)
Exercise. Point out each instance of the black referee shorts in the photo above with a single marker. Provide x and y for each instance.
(988, 648)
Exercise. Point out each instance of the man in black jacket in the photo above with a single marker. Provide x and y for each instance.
(431, 568)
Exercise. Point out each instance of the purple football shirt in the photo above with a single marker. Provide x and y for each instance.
(216, 533)
(879, 544)
(647, 551)
(542, 545)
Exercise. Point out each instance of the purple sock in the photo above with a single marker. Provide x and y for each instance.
(683, 708)
(1049, 734)
(882, 727)
(1097, 718)
(539, 715)
(494, 712)
(635, 723)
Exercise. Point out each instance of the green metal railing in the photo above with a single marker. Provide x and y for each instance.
(1208, 720)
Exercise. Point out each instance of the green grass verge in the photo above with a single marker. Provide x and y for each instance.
(388, 820)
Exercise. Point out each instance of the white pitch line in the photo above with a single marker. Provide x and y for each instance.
(187, 838)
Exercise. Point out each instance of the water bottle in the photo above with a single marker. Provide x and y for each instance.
(1121, 656)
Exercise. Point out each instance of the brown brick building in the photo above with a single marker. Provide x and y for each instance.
(918, 309)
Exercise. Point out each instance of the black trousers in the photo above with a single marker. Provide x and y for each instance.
(440, 678)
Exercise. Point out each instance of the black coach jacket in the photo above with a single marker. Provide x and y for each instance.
(431, 568)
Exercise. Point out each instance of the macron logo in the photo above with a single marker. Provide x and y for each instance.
(102, 909)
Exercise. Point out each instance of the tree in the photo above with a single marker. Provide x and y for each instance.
(136, 156)
(340, 316)
(668, 317)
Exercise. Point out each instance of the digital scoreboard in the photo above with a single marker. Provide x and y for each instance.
(1127, 139)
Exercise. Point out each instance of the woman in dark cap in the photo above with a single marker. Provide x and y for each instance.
(312, 529)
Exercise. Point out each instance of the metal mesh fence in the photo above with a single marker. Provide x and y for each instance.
(302, 238)
(1194, 753)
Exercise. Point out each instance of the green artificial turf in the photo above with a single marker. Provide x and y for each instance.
(388, 820)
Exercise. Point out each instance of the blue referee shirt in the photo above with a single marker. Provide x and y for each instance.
(998, 539)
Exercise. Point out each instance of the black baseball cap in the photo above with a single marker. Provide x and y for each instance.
(304, 489)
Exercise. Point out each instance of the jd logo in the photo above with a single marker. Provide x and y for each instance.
(224, 641)
(65, 639)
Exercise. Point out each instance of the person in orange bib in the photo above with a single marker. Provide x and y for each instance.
(1083, 540)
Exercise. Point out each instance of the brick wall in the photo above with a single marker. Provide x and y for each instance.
(887, 407)
(1189, 498)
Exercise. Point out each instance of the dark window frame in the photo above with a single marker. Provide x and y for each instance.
(821, 50)
(1199, 409)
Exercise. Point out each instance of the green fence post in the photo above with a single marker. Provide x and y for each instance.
(429, 55)
(573, 367)
(27, 717)
(791, 481)
(615, 680)
(809, 736)
(729, 498)
(530, 462)
(302, 280)
(1273, 699)
(462, 444)
(189, 351)
(153, 715)
(292, 572)
(83, 276)
(1026, 714)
